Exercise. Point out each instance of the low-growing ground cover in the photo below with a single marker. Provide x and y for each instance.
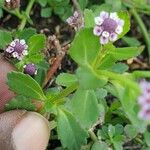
(83, 65)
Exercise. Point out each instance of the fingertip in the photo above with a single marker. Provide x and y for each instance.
(22, 130)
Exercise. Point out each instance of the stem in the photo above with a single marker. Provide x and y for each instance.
(93, 136)
(143, 29)
(27, 12)
(15, 12)
(65, 92)
(77, 6)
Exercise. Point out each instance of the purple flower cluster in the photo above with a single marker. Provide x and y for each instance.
(144, 101)
(76, 21)
(108, 27)
(17, 49)
(30, 69)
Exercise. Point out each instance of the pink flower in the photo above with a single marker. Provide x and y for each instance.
(108, 27)
(17, 49)
(76, 21)
(30, 69)
(144, 101)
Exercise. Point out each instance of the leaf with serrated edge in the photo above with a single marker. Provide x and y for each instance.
(25, 85)
(85, 47)
(71, 134)
(36, 43)
(84, 106)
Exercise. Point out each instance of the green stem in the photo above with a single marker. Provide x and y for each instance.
(27, 12)
(93, 136)
(65, 92)
(143, 29)
(15, 12)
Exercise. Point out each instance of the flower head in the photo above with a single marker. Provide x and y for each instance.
(17, 49)
(144, 101)
(108, 27)
(76, 21)
(30, 69)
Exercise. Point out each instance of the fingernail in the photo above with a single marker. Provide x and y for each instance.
(31, 132)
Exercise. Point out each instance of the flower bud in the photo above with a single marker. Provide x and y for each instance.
(30, 69)
(12, 4)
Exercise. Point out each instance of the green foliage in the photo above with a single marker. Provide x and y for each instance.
(88, 18)
(5, 38)
(25, 85)
(66, 79)
(100, 92)
(26, 33)
(46, 12)
(36, 43)
(89, 80)
(75, 136)
(130, 131)
(20, 102)
(85, 52)
(62, 8)
(84, 106)
(99, 146)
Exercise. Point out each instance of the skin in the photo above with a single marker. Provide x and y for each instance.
(5, 93)
(19, 129)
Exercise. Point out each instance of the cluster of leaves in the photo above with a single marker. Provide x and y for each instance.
(83, 103)
(99, 74)
(62, 8)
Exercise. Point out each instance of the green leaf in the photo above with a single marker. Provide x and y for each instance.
(43, 2)
(46, 12)
(59, 10)
(111, 131)
(103, 7)
(5, 38)
(118, 54)
(1, 13)
(118, 142)
(84, 106)
(99, 146)
(88, 19)
(88, 80)
(83, 3)
(147, 138)
(36, 58)
(42, 68)
(131, 41)
(36, 43)
(71, 134)
(101, 93)
(85, 47)
(26, 33)
(66, 79)
(25, 85)
(119, 68)
(119, 129)
(20, 102)
(126, 52)
(128, 97)
(125, 16)
(130, 131)
(103, 133)
(116, 5)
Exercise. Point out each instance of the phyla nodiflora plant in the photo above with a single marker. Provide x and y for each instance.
(81, 102)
